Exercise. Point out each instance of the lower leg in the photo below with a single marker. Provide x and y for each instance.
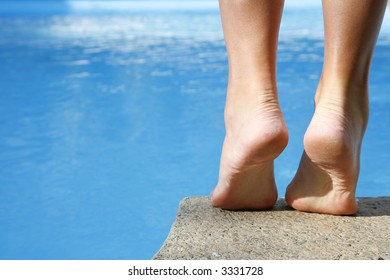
(327, 176)
(255, 129)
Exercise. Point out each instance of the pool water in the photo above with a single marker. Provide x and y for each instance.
(109, 119)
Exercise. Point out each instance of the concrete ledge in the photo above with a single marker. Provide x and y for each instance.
(203, 232)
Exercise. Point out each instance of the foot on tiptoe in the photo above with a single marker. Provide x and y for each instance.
(255, 135)
(328, 172)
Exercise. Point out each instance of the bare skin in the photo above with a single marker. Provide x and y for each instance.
(255, 129)
(328, 172)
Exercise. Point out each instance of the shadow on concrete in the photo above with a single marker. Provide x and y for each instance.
(368, 207)
(374, 206)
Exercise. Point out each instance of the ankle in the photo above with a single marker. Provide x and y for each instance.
(252, 84)
(250, 96)
(345, 90)
(346, 102)
(347, 75)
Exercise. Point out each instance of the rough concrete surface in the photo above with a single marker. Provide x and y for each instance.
(203, 232)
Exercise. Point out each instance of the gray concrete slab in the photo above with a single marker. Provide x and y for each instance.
(203, 232)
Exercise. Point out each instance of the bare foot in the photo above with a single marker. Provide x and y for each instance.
(255, 135)
(328, 172)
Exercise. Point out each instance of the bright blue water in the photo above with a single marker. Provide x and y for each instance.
(108, 120)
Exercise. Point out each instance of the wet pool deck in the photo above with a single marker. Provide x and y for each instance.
(203, 232)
